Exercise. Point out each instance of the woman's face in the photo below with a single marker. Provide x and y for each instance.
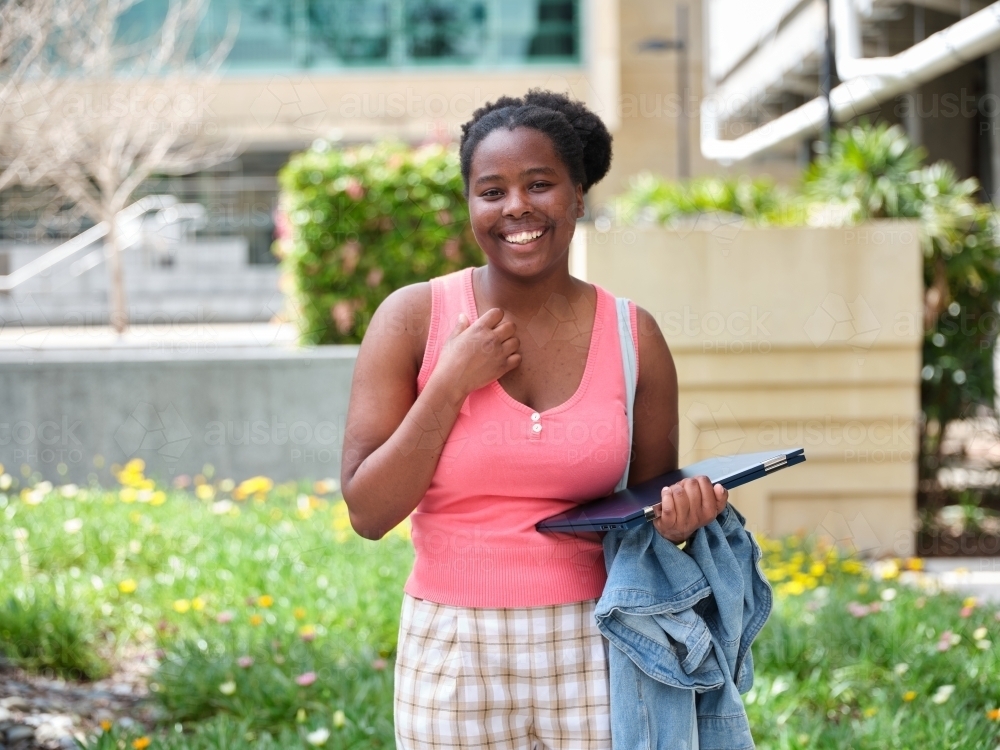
(523, 203)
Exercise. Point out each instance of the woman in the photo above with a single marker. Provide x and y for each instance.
(482, 424)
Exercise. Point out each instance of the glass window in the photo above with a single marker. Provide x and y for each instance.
(288, 35)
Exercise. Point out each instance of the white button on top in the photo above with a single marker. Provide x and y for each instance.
(536, 427)
(535, 416)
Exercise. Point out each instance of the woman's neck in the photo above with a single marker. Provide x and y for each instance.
(524, 297)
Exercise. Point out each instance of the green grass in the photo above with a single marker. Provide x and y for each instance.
(245, 591)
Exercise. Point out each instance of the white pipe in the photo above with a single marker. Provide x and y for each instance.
(963, 41)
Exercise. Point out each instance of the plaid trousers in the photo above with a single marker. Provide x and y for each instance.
(533, 678)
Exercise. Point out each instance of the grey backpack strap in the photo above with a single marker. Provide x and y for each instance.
(629, 366)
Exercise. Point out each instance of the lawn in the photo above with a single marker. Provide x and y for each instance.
(275, 625)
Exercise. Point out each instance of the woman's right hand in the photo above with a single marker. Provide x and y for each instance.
(475, 355)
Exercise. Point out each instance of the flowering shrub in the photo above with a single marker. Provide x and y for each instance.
(358, 224)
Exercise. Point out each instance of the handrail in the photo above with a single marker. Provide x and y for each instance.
(68, 249)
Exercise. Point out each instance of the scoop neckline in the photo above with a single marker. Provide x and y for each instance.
(595, 334)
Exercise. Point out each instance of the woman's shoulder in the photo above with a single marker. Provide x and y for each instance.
(404, 318)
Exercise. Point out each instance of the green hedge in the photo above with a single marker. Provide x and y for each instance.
(357, 224)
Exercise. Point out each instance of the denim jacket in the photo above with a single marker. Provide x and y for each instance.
(680, 625)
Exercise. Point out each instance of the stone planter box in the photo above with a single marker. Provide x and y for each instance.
(789, 337)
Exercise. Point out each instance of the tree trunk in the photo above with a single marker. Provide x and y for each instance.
(116, 287)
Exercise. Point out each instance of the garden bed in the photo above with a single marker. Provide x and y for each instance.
(270, 624)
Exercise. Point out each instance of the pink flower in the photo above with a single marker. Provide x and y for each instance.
(858, 610)
(245, 661)
(354, 189)
(224, 617)
(182, 481)
(965, 612)
(379, 664)
(306, 679)
(947, 640)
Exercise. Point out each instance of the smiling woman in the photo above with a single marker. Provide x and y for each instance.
(481, 425)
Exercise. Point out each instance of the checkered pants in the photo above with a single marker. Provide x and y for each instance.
(526, 679)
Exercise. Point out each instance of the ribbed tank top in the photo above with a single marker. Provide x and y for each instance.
(504, 467)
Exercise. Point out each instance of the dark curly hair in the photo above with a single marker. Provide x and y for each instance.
(579, 136)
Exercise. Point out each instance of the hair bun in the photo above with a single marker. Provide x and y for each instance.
(593, 134)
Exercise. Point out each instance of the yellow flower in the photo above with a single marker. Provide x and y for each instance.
(141, 743)
(339, 719)
(969, 601)
(127, 586)
(204, 492)
(909, 695)
(197, 604)
(105, 725)
(182, 605)
(993, 714)
(870, 711)
(852, 567)
(128, 494)
(300, 613)
(914, 563)
(265, 600)
(817, 569)
(159, 498)
(793, 588)
(257, 486)
(256, 620)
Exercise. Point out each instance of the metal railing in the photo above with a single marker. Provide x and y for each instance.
(130, 229)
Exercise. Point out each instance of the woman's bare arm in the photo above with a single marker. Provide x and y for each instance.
(393, 437)
(691, 503)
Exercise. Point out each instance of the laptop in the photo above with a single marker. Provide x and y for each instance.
(634, 505)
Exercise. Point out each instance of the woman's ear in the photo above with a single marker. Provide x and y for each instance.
(580, 208)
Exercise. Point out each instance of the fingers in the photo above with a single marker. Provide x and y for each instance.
(688, 505)
(491, 317)
(460, 325)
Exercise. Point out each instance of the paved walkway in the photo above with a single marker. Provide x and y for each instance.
(969, 576)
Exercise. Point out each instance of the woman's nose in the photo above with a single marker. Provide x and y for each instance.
(517, 204)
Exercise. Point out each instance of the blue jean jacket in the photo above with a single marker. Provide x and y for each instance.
(681, 624)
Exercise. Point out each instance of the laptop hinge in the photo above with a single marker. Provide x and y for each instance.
(775, 463)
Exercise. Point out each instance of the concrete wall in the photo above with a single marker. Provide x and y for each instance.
(790, 337)
(264, 411)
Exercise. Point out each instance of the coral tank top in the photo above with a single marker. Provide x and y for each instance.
(505, 467)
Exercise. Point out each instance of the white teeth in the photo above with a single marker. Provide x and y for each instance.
(522, 238)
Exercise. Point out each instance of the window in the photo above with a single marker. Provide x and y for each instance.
(287, 35)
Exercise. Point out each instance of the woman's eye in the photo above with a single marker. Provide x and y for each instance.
(491, 193)
(540, 184)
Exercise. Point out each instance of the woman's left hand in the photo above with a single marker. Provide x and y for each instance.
(687, 506)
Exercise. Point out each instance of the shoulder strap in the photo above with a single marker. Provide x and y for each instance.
(629, 366)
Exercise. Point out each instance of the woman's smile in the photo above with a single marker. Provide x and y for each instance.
(525, 238)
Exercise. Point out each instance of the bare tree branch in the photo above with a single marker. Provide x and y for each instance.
(95, 116)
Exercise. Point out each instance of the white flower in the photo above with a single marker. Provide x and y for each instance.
(979, 633)
(900, 669)
(221, 507)
(73, 525)
(983, 644)
(318, 737)
(943, 694)
(6, 480)
(339, 719)
(888, 595)
(69, 490)
(227, 688)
